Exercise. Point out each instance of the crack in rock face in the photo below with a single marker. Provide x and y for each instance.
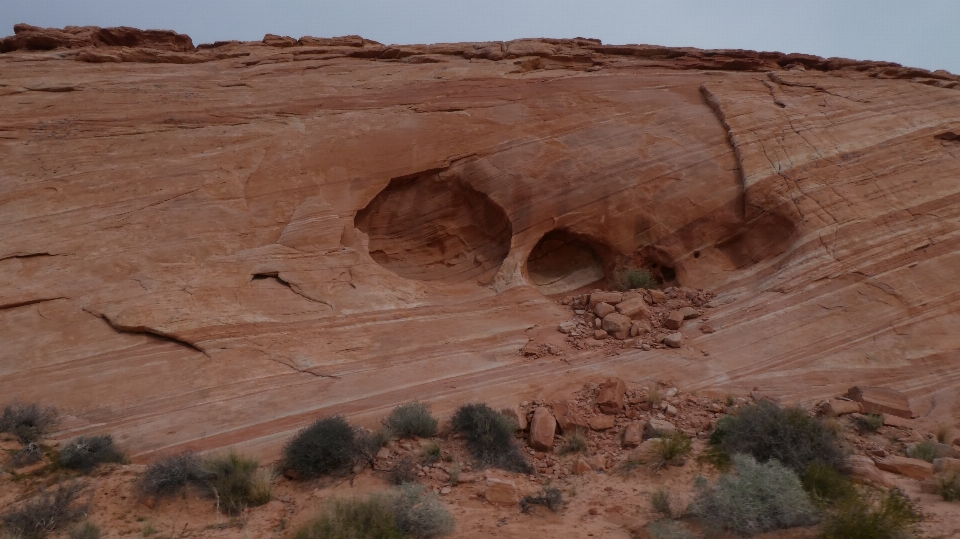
(433, 229)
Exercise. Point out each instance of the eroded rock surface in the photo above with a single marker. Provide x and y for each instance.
(217, 252)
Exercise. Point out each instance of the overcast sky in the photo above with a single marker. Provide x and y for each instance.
(918, 33)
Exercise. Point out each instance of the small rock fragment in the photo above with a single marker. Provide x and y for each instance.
(501, 491)
(610, 397)
(673, 340)
(674, 320)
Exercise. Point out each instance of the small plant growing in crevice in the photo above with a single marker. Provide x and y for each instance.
(170, 475)
(549, 497)
(490, 437)
(574, 442)
(328, 445)
(673, 446)
(45, 513)
(27, 421)
(412, 419)
(87, 452)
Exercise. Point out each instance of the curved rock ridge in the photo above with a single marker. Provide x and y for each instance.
(197, 256)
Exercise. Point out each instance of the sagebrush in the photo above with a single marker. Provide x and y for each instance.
(27, 421)
(790, 436)
(759, 497)
(490, 437)
(170, 475)
(412, 419)
(45, 513)
(328, 445)
(87, 452)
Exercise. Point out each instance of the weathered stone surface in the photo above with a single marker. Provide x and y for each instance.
(634, 307)
(912, 468)
(610, 396)
(617, 325)
(688, 313)
(940, 450)
(658, 427)
(611, 298)
(647, 452)
(673, 340)
(567, 326)
(602, 309)
(863, 470)
(501, 491)
(601, 422)
(946, 465)
(881, 400)
(817, 203)
(543, 427)
(674, 320)
(568, 418)
(835, 407)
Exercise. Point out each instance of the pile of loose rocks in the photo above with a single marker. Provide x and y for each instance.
(644, 318)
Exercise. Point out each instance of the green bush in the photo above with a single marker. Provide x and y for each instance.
(328, 445)
(405, 512)
(948, 487)
(926, 450)
(758, 498)
(490, 437)
(766, 431)
(549, 497)
(237, 482)
(660, 502)
(826, 485)
(28, 422)
(673, 446)
(870, 422)
(574, 442)
(892, 518)
(170, 475)
(44, 513)
(87, 452)
(85, 530)
(412, 419)
(631, 278)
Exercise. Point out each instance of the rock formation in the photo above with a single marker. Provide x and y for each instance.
(217, 252)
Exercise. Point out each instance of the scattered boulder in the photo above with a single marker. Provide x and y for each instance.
(835, 407)
(543, 427)
(634, 307)
(501, 491)
(632, 435)
(601, 422)
(517, 415)
(602, 309)
(648, 451)
(612, 298)
(617, 325)
(912, 468)
(688, 313)
(881, 400)
(898, 422)
(567, 326)
(656, 296)
(673, 320)
(673, 340)
(600, 334)
(567, 417)
(656, 428)
(610, 397)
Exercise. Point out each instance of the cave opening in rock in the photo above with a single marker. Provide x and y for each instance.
(562, 262)
(430, 228)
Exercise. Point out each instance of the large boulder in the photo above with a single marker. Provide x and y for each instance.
(543, 427)
(674, 320)
(501, 491)
(656, 428)
(612, 298)
(632, 435)
(568, 418)
(610, 397)
(835, 407)
(603, 308)
(881, 400)
(634, 307)
(617, 325)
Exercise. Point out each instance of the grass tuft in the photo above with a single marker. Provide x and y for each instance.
(660, 502)
(237, 483)
(574, 442)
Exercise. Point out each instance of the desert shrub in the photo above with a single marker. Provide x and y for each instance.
(45, 512)
(870, 422)
(30, 454)
(826, 485)
(404, 471)
(431, 452)
(925, 450)
(766, 431)
(168, 476)
(760, 497)
(87, 452)
(420, 513)
(943, 434)
(407, 511)
(948, 487)
(574, 442)
(550, 497)
(412, 419)
(28, 422)
(85, 530)
(236, 482)
(489, 436)
(367, 443)
(857, 518)
(673, 446)
(631, 278)
(328, 445)
(667, 529)
(660, 502)
(653, 397)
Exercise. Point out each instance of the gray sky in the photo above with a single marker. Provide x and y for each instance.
(919, 33)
